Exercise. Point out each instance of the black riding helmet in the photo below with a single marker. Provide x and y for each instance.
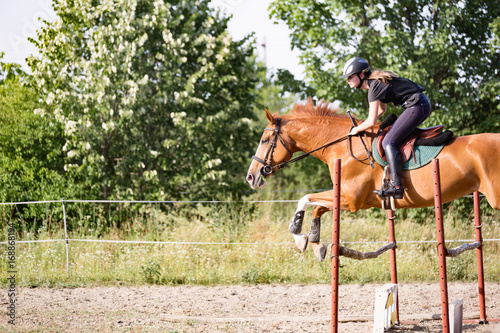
(355, 66)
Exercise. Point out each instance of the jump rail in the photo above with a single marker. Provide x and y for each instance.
(344, 251)
(443, 252)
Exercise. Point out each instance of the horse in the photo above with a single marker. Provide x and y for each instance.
(471, 163)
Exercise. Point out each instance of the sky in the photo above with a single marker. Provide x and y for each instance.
(19, 20)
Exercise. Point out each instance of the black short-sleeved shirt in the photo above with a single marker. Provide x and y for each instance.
(397, 91)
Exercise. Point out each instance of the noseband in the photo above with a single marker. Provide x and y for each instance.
(267, 169)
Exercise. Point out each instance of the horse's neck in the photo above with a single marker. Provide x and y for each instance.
(309, 134)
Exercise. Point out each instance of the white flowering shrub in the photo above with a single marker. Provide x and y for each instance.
(154, 97)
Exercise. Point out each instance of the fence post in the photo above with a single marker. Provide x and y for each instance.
(441, 246)
(394, 269)
(479, 256)
(335, 248)
(66, 236)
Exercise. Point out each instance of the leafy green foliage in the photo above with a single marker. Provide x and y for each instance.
(279, 96)
(31, 165)
(155, 97)
(449, 48)
(151, 272)
(10, 71)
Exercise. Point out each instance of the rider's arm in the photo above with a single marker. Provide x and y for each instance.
(377, 108)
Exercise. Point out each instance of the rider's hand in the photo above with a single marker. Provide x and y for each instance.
(354, 131)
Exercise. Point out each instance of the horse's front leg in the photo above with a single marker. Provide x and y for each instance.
(323, 202)
(315, 232)
(295, 226)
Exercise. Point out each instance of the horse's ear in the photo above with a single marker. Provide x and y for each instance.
(270, 117)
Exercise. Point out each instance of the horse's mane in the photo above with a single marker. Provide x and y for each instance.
(321, 109)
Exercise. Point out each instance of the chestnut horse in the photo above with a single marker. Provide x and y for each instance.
(470, 163)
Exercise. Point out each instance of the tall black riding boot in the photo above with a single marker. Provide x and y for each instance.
(396, 189)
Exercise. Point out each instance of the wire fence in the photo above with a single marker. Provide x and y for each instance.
(67, 240)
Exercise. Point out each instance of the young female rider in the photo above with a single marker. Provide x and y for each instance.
(387, 87)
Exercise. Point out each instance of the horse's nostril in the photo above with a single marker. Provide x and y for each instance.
(250, 178)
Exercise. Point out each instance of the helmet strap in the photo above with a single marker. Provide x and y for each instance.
(360, 81)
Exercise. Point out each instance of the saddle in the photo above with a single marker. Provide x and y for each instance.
(431, 136)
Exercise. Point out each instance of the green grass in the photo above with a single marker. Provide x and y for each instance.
(270, 256)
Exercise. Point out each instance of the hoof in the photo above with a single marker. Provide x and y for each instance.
(301, 241)
(314, 233)
(296, 225)
(319, 251)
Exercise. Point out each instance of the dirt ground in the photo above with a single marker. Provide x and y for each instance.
(261, 308)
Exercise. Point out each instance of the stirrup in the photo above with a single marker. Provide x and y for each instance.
(388, 202)
(391, 191)
(388, 193)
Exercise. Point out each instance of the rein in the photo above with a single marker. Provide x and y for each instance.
(349, 149)
(267, 169)
(298, 158)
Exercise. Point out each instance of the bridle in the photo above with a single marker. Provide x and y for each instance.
(267, 168)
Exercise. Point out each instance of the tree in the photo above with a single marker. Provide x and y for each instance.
(31, 162)
(10, 72)
(275, 95)
(155, 97)
(447, 47)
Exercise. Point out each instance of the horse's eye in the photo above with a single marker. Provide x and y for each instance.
(264, 141)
